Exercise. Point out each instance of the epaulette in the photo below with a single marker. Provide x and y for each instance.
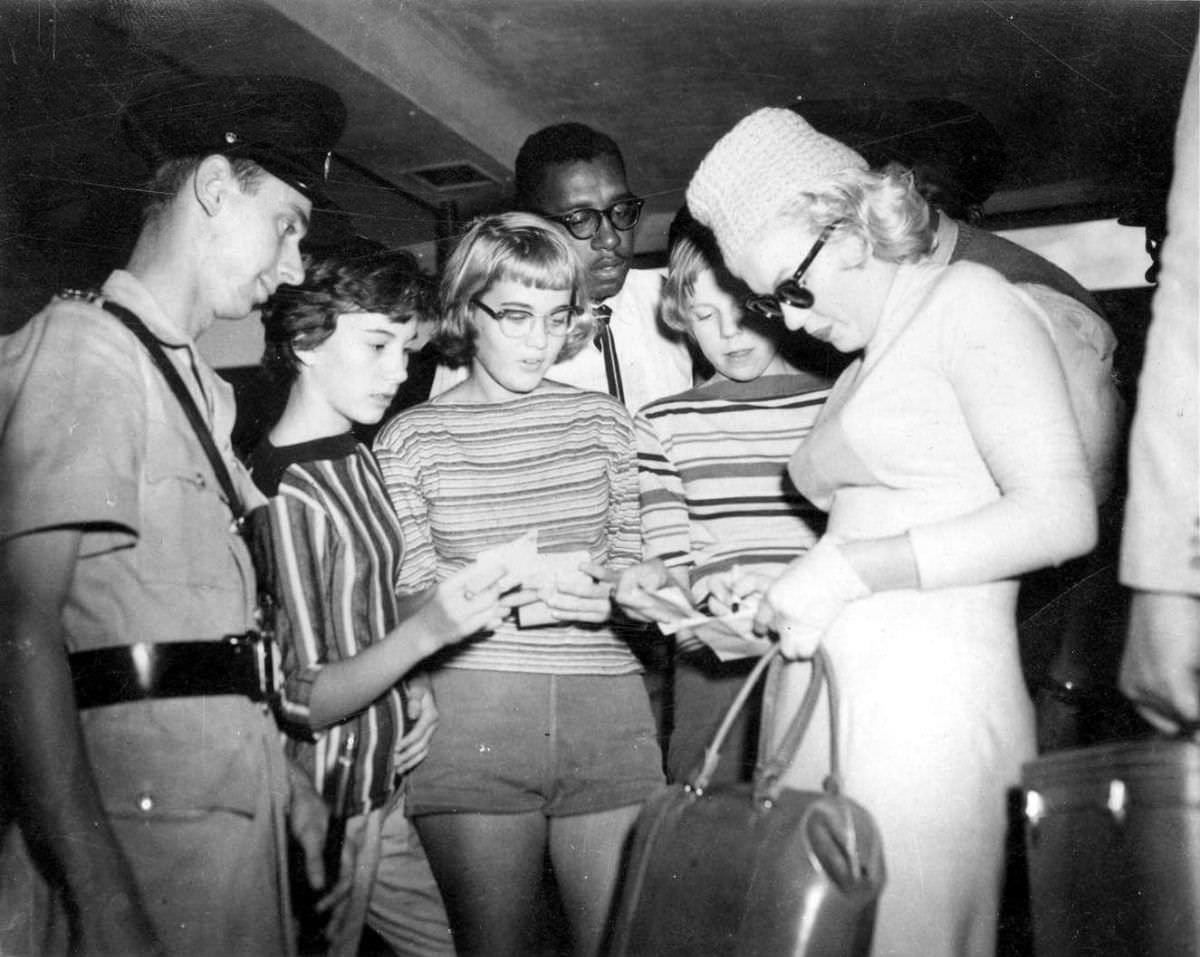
(79, 295)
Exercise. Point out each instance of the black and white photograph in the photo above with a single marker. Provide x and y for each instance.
(599, 478)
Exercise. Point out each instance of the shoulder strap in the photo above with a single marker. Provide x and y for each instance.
(135, 325)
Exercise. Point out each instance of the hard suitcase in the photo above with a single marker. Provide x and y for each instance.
(753, 869)
(1112, 838)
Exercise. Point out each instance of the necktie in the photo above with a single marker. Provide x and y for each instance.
(608, 348)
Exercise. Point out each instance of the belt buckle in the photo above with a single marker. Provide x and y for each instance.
(267, 664)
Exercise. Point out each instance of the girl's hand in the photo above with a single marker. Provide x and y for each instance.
(466, 603)
(584, 594)
(422, 711)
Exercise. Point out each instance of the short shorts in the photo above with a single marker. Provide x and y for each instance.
(512, 743)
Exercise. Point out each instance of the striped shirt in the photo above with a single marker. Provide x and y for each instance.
(467, 476)
(712, 465)
(337, 549)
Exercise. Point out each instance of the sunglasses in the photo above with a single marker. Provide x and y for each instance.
(585, 223)
(791, 291)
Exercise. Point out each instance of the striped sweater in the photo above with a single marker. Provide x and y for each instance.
(466, 476)
(712, 466)
(337, 549)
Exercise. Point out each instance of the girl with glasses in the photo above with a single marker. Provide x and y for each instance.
(950, 462)
(546, 744)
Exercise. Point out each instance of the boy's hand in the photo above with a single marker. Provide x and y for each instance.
(637, 594)
(729, 592)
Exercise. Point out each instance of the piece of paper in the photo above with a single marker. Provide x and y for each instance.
(505, 561)
(544, 574)
(728, 635)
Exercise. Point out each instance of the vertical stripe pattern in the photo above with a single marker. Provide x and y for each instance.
(337, 548)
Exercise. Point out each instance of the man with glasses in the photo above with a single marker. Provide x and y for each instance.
(575, 176)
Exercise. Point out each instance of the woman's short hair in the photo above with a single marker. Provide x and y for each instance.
(302, 317)
(882, 207)
(693, 250)
(515, 247)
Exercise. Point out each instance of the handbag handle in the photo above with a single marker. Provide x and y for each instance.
(769, 776)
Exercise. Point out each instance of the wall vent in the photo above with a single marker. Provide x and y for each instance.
(451, 176)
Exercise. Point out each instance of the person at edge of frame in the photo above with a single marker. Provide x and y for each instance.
(147, 786)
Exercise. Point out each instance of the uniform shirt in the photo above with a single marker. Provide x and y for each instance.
(654, 361)
(337, 550)
(92, 438)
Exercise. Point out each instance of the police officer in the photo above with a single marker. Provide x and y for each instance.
(141, 761)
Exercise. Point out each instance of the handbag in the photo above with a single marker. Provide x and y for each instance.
(753, 869)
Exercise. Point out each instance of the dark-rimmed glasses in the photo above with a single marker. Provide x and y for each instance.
(517, 323)
(584, 223)
(791, 291)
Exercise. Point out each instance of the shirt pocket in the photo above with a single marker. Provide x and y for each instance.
(186, 534)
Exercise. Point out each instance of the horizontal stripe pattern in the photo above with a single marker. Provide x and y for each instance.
(712, 467)
(464, 477)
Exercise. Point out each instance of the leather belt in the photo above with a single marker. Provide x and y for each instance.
(236, 664)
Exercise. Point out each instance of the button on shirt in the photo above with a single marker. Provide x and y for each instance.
(654, 361)
(95, 439)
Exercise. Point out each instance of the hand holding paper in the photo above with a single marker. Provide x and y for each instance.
(808, 597)
(647, 592)
(569, 587)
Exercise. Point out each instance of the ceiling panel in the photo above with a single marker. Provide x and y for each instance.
(1082, 92)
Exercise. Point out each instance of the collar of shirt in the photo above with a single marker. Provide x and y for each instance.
(125, 288)
(945, 238)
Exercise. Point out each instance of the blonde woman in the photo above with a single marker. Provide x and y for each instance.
(949, 460)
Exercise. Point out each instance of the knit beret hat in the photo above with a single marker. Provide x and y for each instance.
(769, 159)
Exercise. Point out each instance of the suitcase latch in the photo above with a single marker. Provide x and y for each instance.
(1035, 809)
(1118, 800)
